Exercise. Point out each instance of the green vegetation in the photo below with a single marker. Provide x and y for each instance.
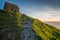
(13, 20)
(10, 20)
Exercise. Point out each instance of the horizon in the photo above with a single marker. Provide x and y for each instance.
(44, 10)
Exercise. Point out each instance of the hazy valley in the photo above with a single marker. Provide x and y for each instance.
(54, 23)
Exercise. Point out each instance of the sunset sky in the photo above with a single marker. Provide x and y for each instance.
(44, 10)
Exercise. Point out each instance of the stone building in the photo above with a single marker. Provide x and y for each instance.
(11, 7)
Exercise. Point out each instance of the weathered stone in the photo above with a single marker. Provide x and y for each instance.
(27, 31)
(11, 7)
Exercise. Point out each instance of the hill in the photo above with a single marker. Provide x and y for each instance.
(17, 26)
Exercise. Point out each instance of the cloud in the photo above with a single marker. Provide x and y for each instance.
(45, 11)
(44, 14)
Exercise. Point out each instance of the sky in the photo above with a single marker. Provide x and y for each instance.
(44, 10)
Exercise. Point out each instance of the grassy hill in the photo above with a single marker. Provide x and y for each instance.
(11, 23)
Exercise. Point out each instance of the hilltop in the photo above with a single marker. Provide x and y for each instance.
(17, 26)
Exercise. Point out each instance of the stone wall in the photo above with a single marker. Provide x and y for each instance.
(11, 7)
(27, 31)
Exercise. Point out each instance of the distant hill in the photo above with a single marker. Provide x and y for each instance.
(17, 26)
(54, 23)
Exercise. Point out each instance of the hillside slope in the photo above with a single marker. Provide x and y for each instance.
(17, 26)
